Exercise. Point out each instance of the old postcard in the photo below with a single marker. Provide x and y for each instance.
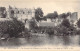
(39, 25)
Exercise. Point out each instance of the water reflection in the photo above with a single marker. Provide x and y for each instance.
(43, 40)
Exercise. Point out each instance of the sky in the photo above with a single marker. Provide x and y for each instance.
(48, 6)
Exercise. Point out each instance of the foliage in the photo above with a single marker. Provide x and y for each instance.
(62, 30)
(65, 23)
(38, 14)
(78, 23)
(68, 14)
(3, 12)
(11, 27)
(48, 30)
(32, 24)
(63, 15)
(78, 32)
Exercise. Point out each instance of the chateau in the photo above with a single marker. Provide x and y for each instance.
(21, 13)
(28, 13)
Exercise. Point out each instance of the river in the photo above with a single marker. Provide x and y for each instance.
(43, 40)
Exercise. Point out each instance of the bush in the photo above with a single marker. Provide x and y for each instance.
(78, 32)
(11, 27)
(32, 24)
(42, 29)
(65, 23)
(78, 23)
(62, 30)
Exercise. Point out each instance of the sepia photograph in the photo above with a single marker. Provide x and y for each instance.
(39, 23)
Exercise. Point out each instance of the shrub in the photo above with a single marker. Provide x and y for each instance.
(65, 23)
(62, 30)
(11, 27)
(32, 24)
(78, 32)
(78, 23)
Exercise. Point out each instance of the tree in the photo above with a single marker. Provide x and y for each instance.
(55, 14)
(66, 23)
(63, 15)
(68, 14)
(12, 27)
(38, 14)
(78, 23)
(32, 24)
(3, 12)
(62, 30)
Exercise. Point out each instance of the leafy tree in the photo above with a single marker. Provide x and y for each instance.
(55, 14)
(68, 13)
(66, 23)
(38, 14)
(63, 15)
(3, 12)
(11, 27)
(78, 23)
(62, 30)
(32, 24)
